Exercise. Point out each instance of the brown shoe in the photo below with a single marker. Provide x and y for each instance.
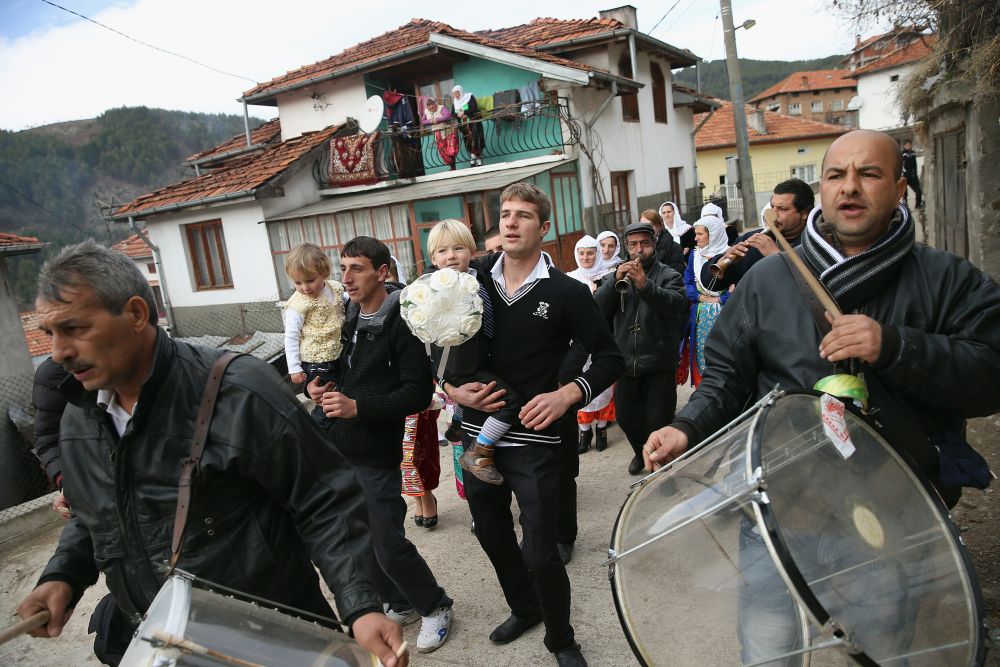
(478, 460)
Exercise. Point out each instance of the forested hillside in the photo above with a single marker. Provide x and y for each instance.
(758, 75)
(55, 178)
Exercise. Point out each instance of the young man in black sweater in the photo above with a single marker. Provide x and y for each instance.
(384, 375)
(537, 311)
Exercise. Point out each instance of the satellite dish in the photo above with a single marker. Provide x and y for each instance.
(370, 116)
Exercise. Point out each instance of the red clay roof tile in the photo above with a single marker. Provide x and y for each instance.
(543, 31)
(13, 240)
(915, 50)
(798, 82)
(720, 132)
(240, 175)
(134, 247)
(39, 343)
(266, 133)
(415, 33)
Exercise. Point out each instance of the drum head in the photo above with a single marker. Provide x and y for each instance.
(861, 540)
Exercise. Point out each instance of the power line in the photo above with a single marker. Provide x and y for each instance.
(650, 30)
(152, 46)
(54, 215)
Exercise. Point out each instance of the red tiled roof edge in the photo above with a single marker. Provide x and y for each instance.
(543, 30)
(39, 344)
(912, 52)
(816, 81)
(719, 131)
(262, 134)
(13, 239)
(134, 247)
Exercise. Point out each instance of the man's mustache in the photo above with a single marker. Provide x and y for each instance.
(75, 366)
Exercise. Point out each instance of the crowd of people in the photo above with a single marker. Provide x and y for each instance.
(558, 358)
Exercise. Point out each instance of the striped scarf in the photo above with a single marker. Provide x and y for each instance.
(854, 280)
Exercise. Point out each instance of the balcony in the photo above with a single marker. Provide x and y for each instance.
(509, 133)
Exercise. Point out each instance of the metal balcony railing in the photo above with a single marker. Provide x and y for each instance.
(510, 132)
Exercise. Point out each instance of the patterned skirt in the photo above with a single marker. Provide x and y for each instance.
(421, 466)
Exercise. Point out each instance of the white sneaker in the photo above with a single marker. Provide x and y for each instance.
(434, 630)
(404, 617)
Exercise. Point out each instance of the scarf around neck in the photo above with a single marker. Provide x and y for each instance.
(679, 227)
(854, 280)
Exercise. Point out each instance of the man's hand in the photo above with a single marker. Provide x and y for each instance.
(61, 507)
(764, 243)
(298, 378)
(477, 396)
(637, 274)
(380, 636)
(736, 252)
(316, 390)
(544, 409)
(52, 596)
(336, 404)
(852, 337)
(663, 446)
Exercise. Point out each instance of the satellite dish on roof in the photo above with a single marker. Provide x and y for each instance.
(370, 116)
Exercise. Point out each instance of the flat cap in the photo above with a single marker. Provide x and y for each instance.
(640, 228)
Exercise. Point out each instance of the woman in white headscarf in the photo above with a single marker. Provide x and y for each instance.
(611, 249)
(682, 232)
(596, 415)
(469, 123)
(710, 240)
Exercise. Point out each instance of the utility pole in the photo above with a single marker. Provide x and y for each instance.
(739, 115)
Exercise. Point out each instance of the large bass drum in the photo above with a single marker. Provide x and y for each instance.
(188, 626)
(794, 536)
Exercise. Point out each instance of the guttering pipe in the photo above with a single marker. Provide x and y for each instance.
(168, 309)
(246, 124)
(188, 204)
(631, 54)
(588, 126)
(339, 73)
(694, 147)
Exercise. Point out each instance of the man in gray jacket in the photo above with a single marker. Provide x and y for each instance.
(271, 497)
(646, 321)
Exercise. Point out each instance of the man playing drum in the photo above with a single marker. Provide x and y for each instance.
(921, 325)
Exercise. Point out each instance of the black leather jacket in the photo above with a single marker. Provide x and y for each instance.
(273, 497)
(938, 365)
(657, 309)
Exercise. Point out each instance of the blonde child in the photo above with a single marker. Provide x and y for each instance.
(450, 245)
(314, 316)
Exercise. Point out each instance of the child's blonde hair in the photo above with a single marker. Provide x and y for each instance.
(450, 232)
(307, 259)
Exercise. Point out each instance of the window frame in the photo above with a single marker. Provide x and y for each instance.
(795, 109)
(659, 90)
(836, 105)
(816, 103)
(630, 101)
(201, 233)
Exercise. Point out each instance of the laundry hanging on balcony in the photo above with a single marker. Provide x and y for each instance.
(506, 106)
(407, 161)
(531, 99)
(469, 123)
(438, 118)
(352, 161)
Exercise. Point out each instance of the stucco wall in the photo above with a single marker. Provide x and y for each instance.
(772, 163)
(341, 97)
(879, 110)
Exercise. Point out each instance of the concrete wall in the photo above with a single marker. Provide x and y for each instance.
(15, 360)
(646, 148)
(338, 99)
(879, 110)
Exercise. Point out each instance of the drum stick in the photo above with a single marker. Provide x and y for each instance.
(770, 217)
(193, 648)
(27, 625)
(401, 650)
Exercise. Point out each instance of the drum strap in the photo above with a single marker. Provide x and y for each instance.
(190, 465)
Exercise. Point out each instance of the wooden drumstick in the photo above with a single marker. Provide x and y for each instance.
(25, 626)
(401, 650)
(771, 217)
(188, 646)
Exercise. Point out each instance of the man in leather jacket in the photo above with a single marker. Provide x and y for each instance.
(923, 324)
(646, 325)
(272, 496)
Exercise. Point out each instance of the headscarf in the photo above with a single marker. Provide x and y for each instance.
(718, 243)
(399, 269)
(763, 222)
(616, 258)
(680, 225)
(588, 276)
(711, 209)
(463, 97)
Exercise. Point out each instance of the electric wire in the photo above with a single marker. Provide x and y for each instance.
(33, 202)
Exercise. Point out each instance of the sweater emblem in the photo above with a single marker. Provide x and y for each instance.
(542, 311)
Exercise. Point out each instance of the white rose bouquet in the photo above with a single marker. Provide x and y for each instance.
(442, 308)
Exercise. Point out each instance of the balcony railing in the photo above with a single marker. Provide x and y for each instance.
(509, 133)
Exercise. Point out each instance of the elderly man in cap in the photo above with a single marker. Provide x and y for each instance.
(645, 301)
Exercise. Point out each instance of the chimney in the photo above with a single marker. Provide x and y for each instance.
(626, 14)
(755, 119)
(805, 81)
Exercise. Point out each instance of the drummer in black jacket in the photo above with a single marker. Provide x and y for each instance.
(922, 325)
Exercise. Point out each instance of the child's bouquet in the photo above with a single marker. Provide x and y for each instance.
(442, 308)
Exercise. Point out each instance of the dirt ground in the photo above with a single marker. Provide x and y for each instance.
(978, 518)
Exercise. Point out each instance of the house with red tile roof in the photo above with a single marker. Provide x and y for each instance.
(879, 81)
(781, 147)
(15, 360)
(139, 251)
(821, 95)
(348, 154)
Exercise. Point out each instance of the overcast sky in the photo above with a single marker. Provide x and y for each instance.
(55, 66)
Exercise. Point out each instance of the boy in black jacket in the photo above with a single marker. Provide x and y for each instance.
(384, 376)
